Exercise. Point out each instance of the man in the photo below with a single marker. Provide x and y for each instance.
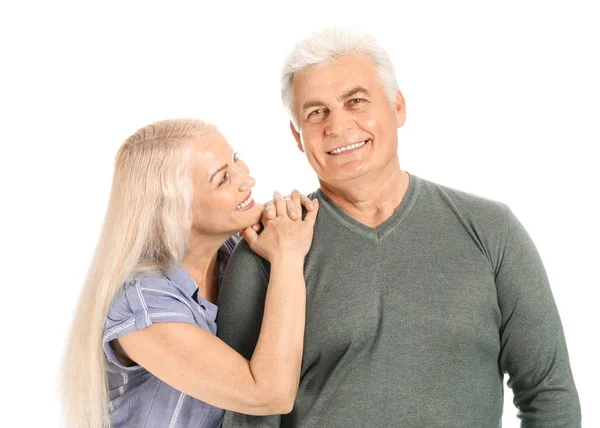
(419, 297)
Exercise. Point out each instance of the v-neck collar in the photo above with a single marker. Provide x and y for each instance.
(375, 233)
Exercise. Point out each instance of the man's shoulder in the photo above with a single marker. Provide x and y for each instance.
(243, 250)
(314, 194)
(485, 220)
(466, 202)
(243, 257)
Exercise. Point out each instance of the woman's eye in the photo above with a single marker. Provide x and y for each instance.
(225, 178)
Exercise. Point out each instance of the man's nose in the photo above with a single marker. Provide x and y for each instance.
(337, 122)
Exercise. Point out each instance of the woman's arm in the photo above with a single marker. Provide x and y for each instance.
(199, 364)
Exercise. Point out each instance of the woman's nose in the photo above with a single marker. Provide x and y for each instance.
(246, 182)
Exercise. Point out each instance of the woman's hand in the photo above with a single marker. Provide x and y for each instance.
(290, 200)
(285, 233)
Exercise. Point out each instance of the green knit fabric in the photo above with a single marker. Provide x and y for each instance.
(414, 323)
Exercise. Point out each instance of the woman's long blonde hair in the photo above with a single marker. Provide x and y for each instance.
(146, 228)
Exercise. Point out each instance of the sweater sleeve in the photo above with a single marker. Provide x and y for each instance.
(533, 349)
(241, 305)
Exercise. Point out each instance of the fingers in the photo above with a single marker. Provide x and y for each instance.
(269, 210)
(250, 236)
(311, 216)
(280, 204)
(293, 205)
(290, 205)
(306, 202)
(256, 227)
(296, 198)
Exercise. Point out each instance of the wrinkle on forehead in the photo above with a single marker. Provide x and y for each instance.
(332, 80)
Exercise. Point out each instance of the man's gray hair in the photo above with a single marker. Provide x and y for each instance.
(329, 44)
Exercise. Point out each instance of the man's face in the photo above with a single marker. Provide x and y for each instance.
(347, 128)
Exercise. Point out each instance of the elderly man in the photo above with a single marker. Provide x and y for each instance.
(419, 297)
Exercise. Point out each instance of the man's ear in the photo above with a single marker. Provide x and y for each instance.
(400, 109)
(296, 135)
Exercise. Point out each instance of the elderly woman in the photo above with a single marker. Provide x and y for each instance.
(142, 350)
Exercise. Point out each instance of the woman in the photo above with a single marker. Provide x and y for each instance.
(142, 348)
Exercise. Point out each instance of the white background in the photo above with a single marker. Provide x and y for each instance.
(503, 101)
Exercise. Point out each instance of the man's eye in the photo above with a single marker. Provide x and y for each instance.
(235, 157)
(356, 101)
(317, 111)
(225, 178)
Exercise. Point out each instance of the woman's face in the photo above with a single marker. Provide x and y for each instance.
(222, 184)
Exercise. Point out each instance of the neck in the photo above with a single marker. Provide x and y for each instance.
(370, 200)
(201, 263)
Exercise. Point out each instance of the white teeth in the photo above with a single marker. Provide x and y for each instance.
(244, 204)
(350, 147)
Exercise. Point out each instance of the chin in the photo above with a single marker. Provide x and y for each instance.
(343, 176)
(248, 218)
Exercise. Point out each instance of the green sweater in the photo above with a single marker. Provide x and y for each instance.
(414, 323)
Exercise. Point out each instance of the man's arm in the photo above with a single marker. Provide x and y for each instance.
(241, 306)
(533, 349)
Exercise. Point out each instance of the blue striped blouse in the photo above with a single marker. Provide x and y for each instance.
(137, 397)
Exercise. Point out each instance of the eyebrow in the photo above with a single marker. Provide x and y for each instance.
(310, 104)
(218, 171)
(346, 95)
(354, 91)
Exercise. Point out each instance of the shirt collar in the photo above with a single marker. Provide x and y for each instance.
(182, 279)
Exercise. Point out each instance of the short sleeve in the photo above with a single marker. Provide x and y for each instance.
(137, 305)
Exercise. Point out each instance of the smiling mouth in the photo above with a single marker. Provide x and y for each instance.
(348, 148)
(245, 204)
